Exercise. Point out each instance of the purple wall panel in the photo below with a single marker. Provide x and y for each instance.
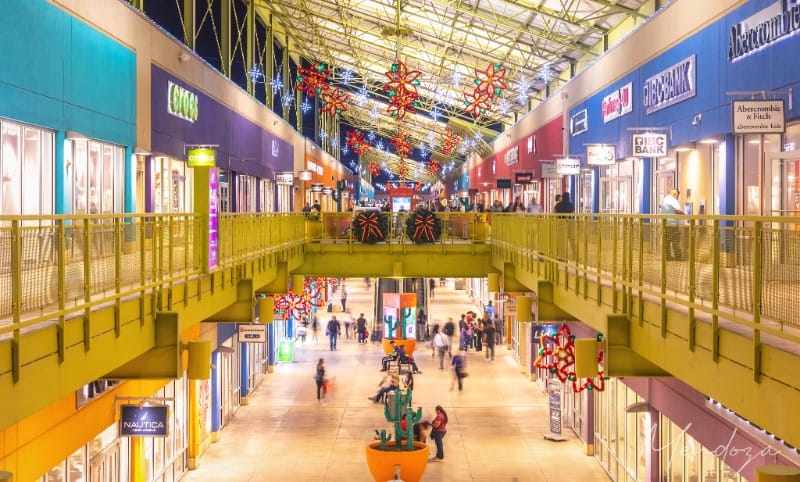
(244, 147)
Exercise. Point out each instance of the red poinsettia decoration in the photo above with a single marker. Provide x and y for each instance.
(333, 101)
(313, 80)
(401, 143)
(491, 79)
(291, 305)
(402, 169)
(557, 354)
(477, 102)
(374, 168)
(449, 142)
(357, 141)
(433, 167)
(401, 89)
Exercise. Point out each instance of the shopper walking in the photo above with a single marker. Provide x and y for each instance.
(319, 379)
(459, 366)
(438, 432)
(441, 344)
(490, 334)
(333, 330)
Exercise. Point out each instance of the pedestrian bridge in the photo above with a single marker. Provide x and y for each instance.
(119, 296)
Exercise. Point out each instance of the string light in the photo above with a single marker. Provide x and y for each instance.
(306, 106)
(276, 84)
(255, 74)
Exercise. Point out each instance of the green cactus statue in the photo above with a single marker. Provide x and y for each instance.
(383, 438)
(391, 325)
(394, 413)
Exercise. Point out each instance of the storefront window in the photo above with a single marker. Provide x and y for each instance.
(96, 166)
(173, 186)
(284, 198)
(245, 193)
(26, 165)
(621, 434)
(683, 459)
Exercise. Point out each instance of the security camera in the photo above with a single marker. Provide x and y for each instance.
(696, 119)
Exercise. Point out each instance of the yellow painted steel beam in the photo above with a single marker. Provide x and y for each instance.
(241, 311)
(163, 361)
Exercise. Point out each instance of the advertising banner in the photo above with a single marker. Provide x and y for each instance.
(286, 350)
(213, 218)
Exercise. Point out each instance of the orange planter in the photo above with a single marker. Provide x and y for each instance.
(382, 462)
(408, 345)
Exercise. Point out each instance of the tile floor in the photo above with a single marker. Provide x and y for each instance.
(495, 432)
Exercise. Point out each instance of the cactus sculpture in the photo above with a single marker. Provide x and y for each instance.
(392, 325)
(394, 413)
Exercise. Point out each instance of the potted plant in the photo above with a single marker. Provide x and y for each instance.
(370, 226)
(411, 457)
(423, 226)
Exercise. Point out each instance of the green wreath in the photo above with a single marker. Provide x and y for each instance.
(370, 226)
(423, 226)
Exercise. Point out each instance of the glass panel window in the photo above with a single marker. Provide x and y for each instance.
(31, 166)
(10, 156)
(76, 465)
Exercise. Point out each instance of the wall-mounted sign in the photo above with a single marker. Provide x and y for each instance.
(670, 86)
(472, 191)
(617, 103)
(523, 177)
(532, 145)
(314, 167)
(213, 219)
(758, 117)
(181, 102)
(316, 187)
(327, 190)
(284, 178)
(649, 145)
(143, 420)
(600, 154)
(252, 333)
(549, 170)
(503, 183)
(275, 148)
(579, 123)
(512, 156)
(201, 158)
(567, 166)
(774, 23)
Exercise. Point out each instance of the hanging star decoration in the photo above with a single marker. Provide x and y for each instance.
(333, 101)
(402, 90)
(401, 143)
(557, 354)
(489, 83)
(357, 141)
(313, 80)
(449, 142)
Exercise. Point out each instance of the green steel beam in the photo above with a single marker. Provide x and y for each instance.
(225, 41)
(189, 33)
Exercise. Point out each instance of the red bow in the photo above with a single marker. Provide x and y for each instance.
(369, 225)
(424, 226)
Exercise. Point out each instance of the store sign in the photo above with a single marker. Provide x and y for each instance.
(768, 26)
(554, 399)
(670, 86)
(316, 187)
(314, 167)
(275, 148)
(201, 158)
(649, 145)
(182, 102)
(512, 156)
(252, 333)
(327, 190)
(600, 154)
(568, 166)
(523, 177)
(213, 218)
(510, 307)
(759, 117)
(617, 103)
(284, 178)
(579, 122)
(503, 183)
(143, 420)
(549, 170)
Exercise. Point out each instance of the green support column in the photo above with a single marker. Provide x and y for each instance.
(286, 81)
(188, 24)
(269, 56)
(225, 33)
(250, 53)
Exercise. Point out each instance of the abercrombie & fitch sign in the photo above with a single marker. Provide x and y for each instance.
(770, 25)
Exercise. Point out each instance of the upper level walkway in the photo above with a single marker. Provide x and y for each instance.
(89, 296)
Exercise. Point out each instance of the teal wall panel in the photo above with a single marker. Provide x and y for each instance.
(57, 72)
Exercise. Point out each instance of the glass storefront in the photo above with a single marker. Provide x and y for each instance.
(781, 195)
(267, 193)
(621, 436)
(618, 182)
(230, 373)
(26, 163)
(257, 363)
(95, 176)
(683, 459)
(284, 199)
(245, 193)
(173, 185)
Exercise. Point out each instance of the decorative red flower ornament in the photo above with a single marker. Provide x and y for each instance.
(333, 101)
(313, 80)
(402, 90)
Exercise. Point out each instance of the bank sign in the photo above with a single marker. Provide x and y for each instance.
(143, 420)
(767, 27)
(649, 145)
(670, 86)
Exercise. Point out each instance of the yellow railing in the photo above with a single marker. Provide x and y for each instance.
(745, 269)
(56, 267)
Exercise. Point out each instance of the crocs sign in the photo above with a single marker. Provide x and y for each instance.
(181, 102)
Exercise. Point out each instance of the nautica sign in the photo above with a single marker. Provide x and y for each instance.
(766, 27)
(143, 420)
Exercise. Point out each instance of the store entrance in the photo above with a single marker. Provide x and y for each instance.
(784, 190)
(615, 195)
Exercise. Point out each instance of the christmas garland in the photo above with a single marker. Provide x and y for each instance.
(370, 226)
(423, 226)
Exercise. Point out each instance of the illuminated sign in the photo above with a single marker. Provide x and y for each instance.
(568, 166)
(201, 158)
(549, 170)
(284, 178)
(579, 122)
(512, 156)
(768, 26)
(649, 145)
(523, 177)
(182, 102)
(670, 86)
(503, 183)
(758, 117)
(143, 420)
(617, 103)
(600, 154)
(213, 221)
(316, 187)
